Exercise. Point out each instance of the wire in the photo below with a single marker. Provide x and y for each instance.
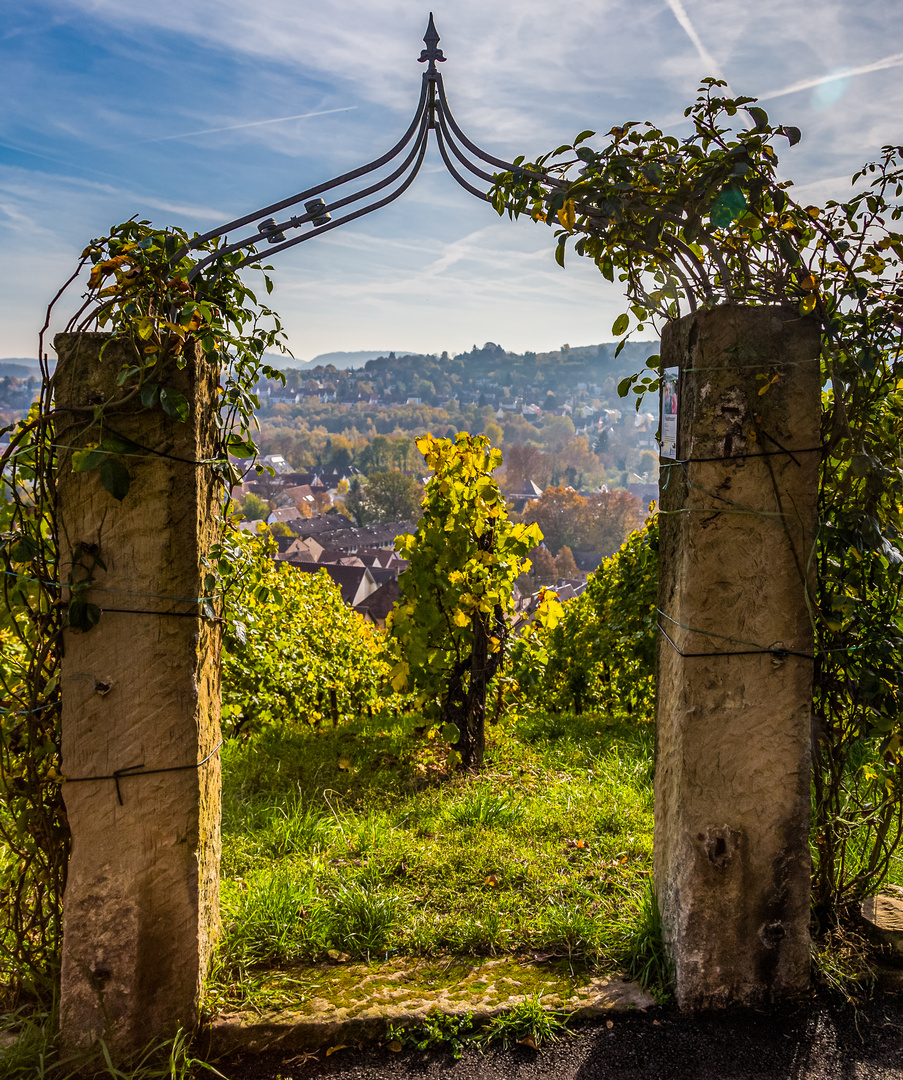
(743, 457)
(120, 592)
(758, 364)
(755, 650)
(138, 770)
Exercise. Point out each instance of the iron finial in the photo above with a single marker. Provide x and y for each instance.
(431, 52)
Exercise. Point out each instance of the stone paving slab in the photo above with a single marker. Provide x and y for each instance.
(883, 917)
(350, 1003)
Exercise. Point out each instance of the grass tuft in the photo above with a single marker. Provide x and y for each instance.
(528, 1023)
(481, 806)
(363, 919)
(644, 954)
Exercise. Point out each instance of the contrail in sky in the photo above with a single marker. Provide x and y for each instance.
(235, 127)
(806, 84)
(680, 13)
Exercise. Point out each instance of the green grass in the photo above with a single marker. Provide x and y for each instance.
(528, 1022)
(355, 842)
(35, 1055)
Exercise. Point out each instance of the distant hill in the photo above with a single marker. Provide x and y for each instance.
(19, 367)
(340, 360)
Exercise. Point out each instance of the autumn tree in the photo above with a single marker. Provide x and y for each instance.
(600, 522)
(525, 462)
(556, 432)
(253, 508)
(450, 622)
(565, 566)
(559, 513)
(544, 569)
(385, 496)
(610, 517)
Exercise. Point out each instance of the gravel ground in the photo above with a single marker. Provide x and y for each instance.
(819, 1041)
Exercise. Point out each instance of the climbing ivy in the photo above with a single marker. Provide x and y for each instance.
(690, 223)
(142, 289)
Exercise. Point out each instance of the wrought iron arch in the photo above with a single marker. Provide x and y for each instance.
(432, 114)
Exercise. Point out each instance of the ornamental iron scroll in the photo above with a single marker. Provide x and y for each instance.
(350, 201)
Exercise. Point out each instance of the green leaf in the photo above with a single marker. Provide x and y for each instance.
(760, 116)
(793, 134)
(239, 447)
(115, 477)
(118, 444)
(868, 358)
(174, 403)
(788, 250)
(87, 459)
(24, 550)
(625, 384)
(729, 205)
(82, 615)
(583, 136)
(150, 394)
(451, 733)
(619, 326)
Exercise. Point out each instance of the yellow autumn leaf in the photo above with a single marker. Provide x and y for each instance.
(567, 215)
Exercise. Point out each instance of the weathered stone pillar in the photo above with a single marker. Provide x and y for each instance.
(738, 514)
(140, 695)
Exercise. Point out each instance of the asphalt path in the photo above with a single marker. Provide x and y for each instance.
(818, 1041)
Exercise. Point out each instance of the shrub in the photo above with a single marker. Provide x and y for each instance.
(601, 654)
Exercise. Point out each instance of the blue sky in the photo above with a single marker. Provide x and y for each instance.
(173, 109)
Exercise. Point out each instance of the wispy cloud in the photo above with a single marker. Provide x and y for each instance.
(238, 127)
(521, 77)
(842, 73)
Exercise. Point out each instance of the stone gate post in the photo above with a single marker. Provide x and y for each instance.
(738, 514)
(141, 706)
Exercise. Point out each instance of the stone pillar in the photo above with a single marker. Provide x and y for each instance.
(140, 693)
(738, 513)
